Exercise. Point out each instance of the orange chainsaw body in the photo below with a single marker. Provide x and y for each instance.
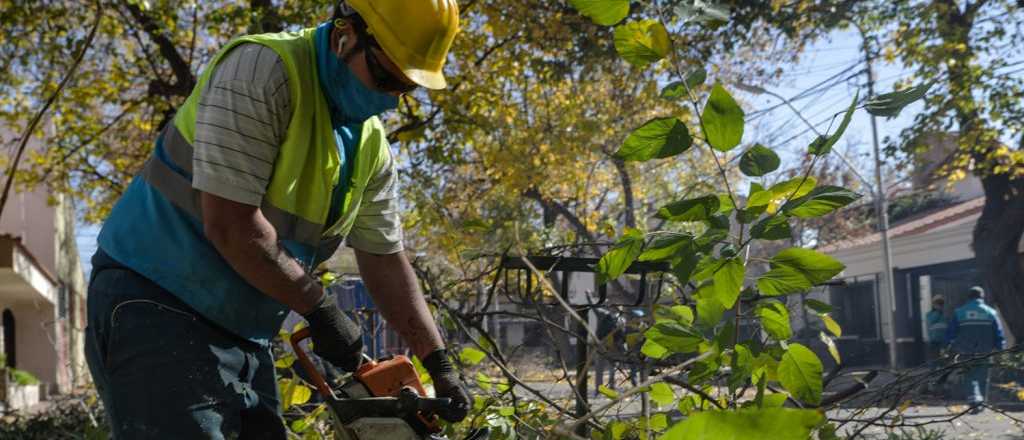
(385, 378)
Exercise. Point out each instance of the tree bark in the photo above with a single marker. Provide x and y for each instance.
(628, 201)
(997, 237)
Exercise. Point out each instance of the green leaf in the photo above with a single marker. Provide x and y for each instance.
(506, 411)
(815, 266)
(750, 214)
(615, 262)
(696, 77)
(471, 356)
(703, 370)
(775, 320)
(483, 381)
(659, 422)
(654, 350)
(718, 221)
(678, 313)
(832, 325)
(608, 392)
(760, 199)
(707, 241)
(656, 139)
(758, 161)
(642, 42)
(683, 267)
(745, 424)
(666, 247)
(301, 394)
(782, 281)
(284, 362)
(820, 201)
(706, 268)
(800, 373)
(772, 228)
(603, 12)
(618, 429)
(725, 204)
(823, 145)
(698, 209)
(677, 89)
(299, 426)
(891, 104)
(662, 394)
(793, 188)
(675, 337)
(728, 282)
(742, 366)
(722, 120)
(817, 306)
(831, 345)
(773, 400)
(709, 309)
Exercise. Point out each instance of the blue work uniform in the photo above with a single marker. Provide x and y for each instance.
(975, 329)
(937, 327)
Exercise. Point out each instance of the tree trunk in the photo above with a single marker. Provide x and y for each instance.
(997, 237)
(627, 192)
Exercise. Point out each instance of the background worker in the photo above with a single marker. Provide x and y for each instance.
(935, 321)
(975, 329)
(275, 159)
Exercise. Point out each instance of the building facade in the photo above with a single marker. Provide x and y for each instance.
(42, 292)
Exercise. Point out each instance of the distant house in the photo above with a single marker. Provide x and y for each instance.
(42, 295)
(931, 255)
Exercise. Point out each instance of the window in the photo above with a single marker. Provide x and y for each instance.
(855, 307)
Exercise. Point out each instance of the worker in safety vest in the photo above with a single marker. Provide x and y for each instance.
(975, 329)
(275, 158)
(935, 321)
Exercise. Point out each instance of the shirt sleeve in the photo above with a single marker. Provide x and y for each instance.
(1000, 337)
(378, 225)
(241, 120)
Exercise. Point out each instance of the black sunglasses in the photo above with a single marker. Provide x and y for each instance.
(382, 77)
(384, 80)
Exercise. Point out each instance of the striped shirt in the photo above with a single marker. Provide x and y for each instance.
(241, 121)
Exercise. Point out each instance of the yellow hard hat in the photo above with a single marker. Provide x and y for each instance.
(415, 34)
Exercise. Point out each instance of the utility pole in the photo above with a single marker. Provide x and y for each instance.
(881, 207)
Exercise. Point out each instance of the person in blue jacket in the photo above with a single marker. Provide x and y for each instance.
(937, 328)
(975, 329)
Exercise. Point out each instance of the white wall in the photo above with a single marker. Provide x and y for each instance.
(950, 243)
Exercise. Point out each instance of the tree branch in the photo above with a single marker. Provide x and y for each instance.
(185, 80)
(628, 201)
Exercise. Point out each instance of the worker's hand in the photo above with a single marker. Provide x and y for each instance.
(336, 338)
(447, 384)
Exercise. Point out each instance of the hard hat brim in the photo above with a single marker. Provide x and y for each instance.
(426, 78)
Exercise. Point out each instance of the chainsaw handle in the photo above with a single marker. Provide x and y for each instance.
(307, 364)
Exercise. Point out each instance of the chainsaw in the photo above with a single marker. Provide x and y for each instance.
(384, 399)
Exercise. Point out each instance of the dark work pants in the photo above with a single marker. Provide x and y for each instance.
(163, 372)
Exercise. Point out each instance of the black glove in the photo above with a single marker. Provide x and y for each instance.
(447, 384)
(336, 338)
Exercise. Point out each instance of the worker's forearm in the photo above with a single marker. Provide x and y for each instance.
(393, 286)
(251, 248)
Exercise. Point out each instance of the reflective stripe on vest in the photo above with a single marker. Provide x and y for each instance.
(307, 165)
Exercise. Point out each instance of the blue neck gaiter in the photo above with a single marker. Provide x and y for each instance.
(349, 100)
